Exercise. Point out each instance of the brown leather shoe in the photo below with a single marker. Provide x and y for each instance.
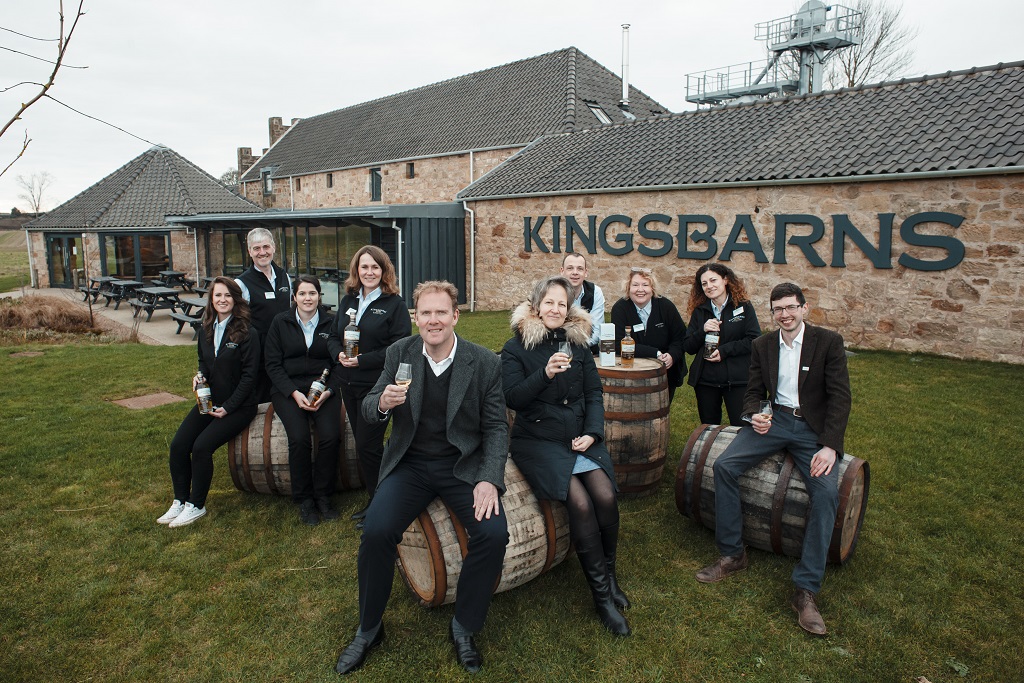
(723, 567)
(808, 615)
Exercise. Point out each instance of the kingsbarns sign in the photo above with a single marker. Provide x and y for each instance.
(697, 236)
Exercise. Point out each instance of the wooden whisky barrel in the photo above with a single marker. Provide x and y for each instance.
(772, 494)
(636, 424)
(433, 547)
(258, 456)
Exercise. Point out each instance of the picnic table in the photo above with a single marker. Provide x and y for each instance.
(120, 290)
(151, 298)
(176, 278)
(187, 303)
(97, 285)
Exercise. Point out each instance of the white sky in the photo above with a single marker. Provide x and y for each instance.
(203, 76)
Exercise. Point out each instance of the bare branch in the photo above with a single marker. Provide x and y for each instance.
(12, 87)
(25, 54)
(24, 146)
(62, 46)
(885, 51)
(34, 187)
(25, 35)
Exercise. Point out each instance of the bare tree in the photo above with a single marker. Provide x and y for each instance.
(34, 187)
(229, 177)
(885, 50)
(62, 45)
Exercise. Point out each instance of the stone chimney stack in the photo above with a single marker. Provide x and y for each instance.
(245, 160)
(277, 129)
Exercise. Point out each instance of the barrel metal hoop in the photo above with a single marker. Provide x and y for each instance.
(640, 466)
(681, 470)
(268, 463)
(460, 531)
(779, 502)
(437, 565)
(698, 471)
(550, 534)
(237, 455)
(835, 548)
(343, 473)
(610, 373)
(662, 385)
(637, 417)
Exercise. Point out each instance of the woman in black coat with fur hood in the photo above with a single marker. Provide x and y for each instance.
(558, 433)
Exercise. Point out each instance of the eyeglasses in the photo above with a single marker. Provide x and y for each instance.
(642, 271)
(792, 308)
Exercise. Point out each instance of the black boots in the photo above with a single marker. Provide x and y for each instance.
(590, 552)
(609, 539)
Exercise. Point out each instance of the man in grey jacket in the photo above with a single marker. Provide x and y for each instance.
(449, 437)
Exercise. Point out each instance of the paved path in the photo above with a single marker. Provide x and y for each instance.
(157, 332)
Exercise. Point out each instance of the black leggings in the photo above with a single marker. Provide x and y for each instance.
(369, 437)
(709, 403)
(591, 504)
(192, 450)
(311, 478)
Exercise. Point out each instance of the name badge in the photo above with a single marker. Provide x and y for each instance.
(737, 311)
(271, 295)
(806, 368)
(638, 328)
(231, 345)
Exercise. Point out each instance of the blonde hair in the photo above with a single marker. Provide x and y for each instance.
(431, 286)
(646, 273)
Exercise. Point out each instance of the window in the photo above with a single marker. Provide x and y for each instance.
(330, 180)
(374, 184)
(268, 182)
(598, 112)
(298, 184)
(135, 256)
(410, 170)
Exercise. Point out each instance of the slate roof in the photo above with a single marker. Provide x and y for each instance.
(157, 183)
(953, 122)
(507, 105)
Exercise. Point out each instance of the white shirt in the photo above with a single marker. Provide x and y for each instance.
(365, 303)
(308, 328)
(218, 334)
(644, 313)
(596, 313)
(787, 391)
(717, 310)
(438, 368)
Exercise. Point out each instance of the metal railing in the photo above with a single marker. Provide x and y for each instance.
(805, 25)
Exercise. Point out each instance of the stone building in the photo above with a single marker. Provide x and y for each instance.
(120, 225)
(899, 207)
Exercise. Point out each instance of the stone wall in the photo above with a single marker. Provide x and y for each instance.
(973, 310)
(437, 179)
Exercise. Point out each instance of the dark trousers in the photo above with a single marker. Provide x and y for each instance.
(400, 497)
(709, 403)
(311, 479)
(369, 437)
(750, 448)
(192, 450)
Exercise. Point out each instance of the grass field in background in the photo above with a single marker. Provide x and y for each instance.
(95, 590)
(13, 260)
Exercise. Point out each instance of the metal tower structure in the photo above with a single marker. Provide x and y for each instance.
(811, 35)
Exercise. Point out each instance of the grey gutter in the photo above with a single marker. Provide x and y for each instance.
(915, 175)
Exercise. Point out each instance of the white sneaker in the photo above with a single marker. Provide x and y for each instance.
(172, 512)
(189, 514)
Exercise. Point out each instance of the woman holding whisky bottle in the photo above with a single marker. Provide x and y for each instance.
(722, 327)
(297, 355)
(657, 328)
(229, 360)
(373, 304)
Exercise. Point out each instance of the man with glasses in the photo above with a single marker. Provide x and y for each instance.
(802, 370)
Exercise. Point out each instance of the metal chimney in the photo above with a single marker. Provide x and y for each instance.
(625, 67)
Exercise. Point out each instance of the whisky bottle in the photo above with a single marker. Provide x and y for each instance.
(204, 397)
(710, 343)
(317, 388)
(627, 349)
(351, 336)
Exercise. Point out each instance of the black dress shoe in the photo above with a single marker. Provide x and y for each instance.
(354, 655)
(465, 651)
(361, 513)
(327, 509)
(308, 513)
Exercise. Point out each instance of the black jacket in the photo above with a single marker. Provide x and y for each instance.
(262, 309)
(290, 365)
(664, 331)
(738, 330)
(384, 322)
(550, 413)
(232, 374)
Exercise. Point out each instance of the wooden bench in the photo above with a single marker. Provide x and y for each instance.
(182, 319)
(87, 291)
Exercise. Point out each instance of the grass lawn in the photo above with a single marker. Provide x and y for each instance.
(94, 590)
(13, 260)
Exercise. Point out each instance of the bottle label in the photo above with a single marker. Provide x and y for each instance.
(351, 335)
(711, 338)
(318, 387)
(204, 392)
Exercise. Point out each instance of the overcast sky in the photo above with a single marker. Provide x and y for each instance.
(202, 77)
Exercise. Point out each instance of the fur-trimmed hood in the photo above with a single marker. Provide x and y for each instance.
(528, 326)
